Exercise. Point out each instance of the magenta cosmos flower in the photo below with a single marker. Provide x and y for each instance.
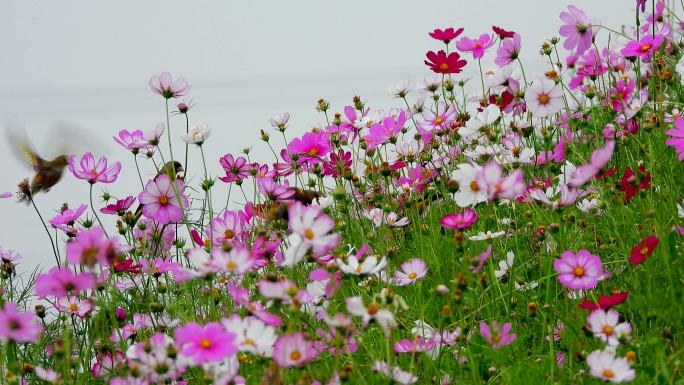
(94, 172)
(165, 86)
(311, 147)
(18, 326)
(119, 207)
(497, 336)
(677, 140)
(160, 202)
(381, 133)
(577, 30)
(599, 159)
(210, 343)
(643, 48)
(92, 246)
(236, 169)
(578, 271)
(293, 350)
(132, 140)
(508, 52)
(442, 64)
(459, 221)
(61, 281)
(476, 46)
(446, 35)
(67, 218)
(410, 272)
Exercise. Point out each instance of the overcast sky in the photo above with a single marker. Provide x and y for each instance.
(87, 63)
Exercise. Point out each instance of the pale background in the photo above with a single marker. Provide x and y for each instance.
(87, 63)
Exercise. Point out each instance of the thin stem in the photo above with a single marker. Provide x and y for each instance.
(135, 158)
(92, 208)
(54, 251)
(187, 131)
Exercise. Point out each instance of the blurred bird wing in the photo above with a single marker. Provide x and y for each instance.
(67, 138)
(21, 148)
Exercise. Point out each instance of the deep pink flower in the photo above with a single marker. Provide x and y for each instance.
(643, 250)
(133, 141)
(92, 246)
(293, 350)
(476, 46)
(165, 86)
(442, 64)
(677, 140)
(621, 94)
(599, 159)
(236, 169)
(497, 336)
(18, 326)
(67, 218)
(160, 200)
(210, 343)
(338, 163)
(311, 147)
(578, 29)
(605, 301)
(508, 52)
(446, 35)
(480, 260)
(94, 172)
(579, 271)
(381, 133)
(502, 33)
(459, 221)
(61, 281)
(120, 207)
(643, 48)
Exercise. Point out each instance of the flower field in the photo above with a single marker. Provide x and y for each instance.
(496, 225)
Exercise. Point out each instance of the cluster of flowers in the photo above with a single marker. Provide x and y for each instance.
(283, 280)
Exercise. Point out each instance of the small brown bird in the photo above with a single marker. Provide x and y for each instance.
(276, 210)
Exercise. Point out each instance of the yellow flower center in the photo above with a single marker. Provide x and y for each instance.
(295, 355)
(164, 199)
(313, 151)
(478, 45)
(373, 308)
(249, 342)
(231, 265)
(607, 330)
(444, 66)
(73, 307)
(608, 373)
(412, 276)
(579, 271)
(439, 120)
(645, 47)
(544, 99)
(496, 338)
(644, 251)
(309, 234)
(358, 269)
(474, 186)
(205, 343)
(229, 234)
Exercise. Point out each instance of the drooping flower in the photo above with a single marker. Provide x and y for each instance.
(18, 326)
(643, 250)
(442, 63)
(160, 202)
(459, 221)
(119, 208)
(605, 365)
(544, 98)
(502, 33)
(446, 35)
(165, 86)
(644, 48)
(293, 350)
(61, 281)
(491, 179)
(209, 343)
(599, 159)
(476, 46)
(677, 140)
(411, 271)
(605, 324)
(579, 271)
(632, 183)
(94, 172)
(508, 52)
(280, 121)
(498, 336)
(578, 30)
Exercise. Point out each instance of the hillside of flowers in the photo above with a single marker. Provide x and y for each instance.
(496, 225)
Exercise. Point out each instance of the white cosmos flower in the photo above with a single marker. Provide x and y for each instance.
(544, 98)
(197, 134)
(604, 365)
(505, 265)
(469, 192)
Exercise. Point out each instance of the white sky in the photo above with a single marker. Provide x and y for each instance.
(88, 63)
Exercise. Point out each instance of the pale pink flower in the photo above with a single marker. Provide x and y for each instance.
(410, 272)
(293, 350)
(606, 366)
(165, 86)
(160, 201)
(94, 172)
(606, 326)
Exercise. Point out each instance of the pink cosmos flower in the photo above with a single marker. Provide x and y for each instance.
(643, 48)
(18, 326)
(578, 29)
(579, 271)
(599, 159)
(165, 86)
(293, 350)
(497, 336)
(416, 345)
(677, 140)
(606, 326)
(395, 373)
(92, 246)
(544, 98)
(491, 179)
(606, 366)
(274, 191)
(442, 63)
(210, 343)
(160, 200)
(133, 141)
(446, 35)
(94, 172)
(410, 272)
(476, 46)
(120, 207)
(311, 147)
(621, 94)
(481, 260)
(381, 133)
(61, 281)
(431, 120)
(313, 226)
(236, 169)
(9, 255)
(106, 362)
(459, 221)
(508, 52)
(73, 305)
(65, 221)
